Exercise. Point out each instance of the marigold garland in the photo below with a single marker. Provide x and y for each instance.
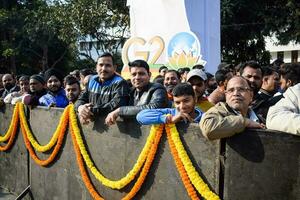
(117, 184)
(138, 184)
(6, 136)
(12, 131)
(43, 148)
(145, 170)
(84, 174)
(56, 149)
(182, 172)
(195, 178)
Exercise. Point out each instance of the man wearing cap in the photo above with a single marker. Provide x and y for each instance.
(56, 96)
(36, 90)
(197, 78)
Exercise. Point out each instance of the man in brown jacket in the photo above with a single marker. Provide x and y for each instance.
(226, 119)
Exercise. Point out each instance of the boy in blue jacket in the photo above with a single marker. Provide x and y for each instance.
(184, 102)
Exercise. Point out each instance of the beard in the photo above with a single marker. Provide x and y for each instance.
(170, 88)
(8, 86)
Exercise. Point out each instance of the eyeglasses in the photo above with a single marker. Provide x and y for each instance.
(238, 89)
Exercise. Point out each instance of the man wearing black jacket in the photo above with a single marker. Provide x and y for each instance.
(143, 95)
(104, 93)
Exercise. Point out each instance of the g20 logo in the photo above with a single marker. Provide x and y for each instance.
(183, 50)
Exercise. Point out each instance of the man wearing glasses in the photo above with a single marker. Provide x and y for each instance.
(233, 116)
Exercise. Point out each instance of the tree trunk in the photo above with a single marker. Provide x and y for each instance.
(13, 64)
(45, 57)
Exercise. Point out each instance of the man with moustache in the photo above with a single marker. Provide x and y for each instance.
(72, 88)
(9, 84)
(143, 95)
(228, 118)
(15, 97)
(171, 79)
(56, 96)
(265, 97)
(104, 93)
(252, 71)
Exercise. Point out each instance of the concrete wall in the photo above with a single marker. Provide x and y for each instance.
(256, 164)
(14, 166)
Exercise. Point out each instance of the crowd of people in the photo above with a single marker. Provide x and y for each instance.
(236, 97)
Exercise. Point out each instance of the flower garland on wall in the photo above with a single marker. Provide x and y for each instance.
(155, 130)
(193, 175)
(58, 145)
(11, 133)
(62, 125)
(188, 173)
(118, 184)
(180, 167)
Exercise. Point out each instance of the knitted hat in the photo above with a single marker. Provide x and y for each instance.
(38, 77)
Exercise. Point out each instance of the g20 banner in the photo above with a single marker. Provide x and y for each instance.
(175, 33)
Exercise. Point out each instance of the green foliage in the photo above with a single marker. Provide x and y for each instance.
(245, 24)
(38, 34)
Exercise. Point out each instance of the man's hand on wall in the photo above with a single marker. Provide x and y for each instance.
(85, 113)
(112, 117)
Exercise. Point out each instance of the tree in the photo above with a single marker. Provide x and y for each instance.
(245, 24)
(105, 22)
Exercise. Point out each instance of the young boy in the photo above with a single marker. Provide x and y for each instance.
(184, 102)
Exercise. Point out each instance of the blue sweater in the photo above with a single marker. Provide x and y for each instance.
(158, 116)
(59, 99)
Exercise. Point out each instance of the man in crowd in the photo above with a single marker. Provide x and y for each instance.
(289, 76)
(285, 114)
(183, 74)
(9, 84)
(72, 88)
(265, 97)
(160, 78)
(211, 84)
(184, 103)
(15, 97)
(104, 93)
(143, 95)
(170, 81)
(232, 117)
(85, 75)
(218, 95)
(197, 78)
(36, 90)
(252, 71)
(56, 96)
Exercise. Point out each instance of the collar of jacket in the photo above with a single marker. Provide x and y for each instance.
(61, 91)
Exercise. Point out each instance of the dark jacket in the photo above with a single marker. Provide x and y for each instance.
(154, 95)
(35, 96)
(105, 97)
(6, 92)
(263, 102)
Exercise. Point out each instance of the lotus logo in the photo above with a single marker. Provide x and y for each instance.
(184, 51)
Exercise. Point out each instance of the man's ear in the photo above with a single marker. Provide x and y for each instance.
(289, 83)
(265, 78)
(150, 74)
